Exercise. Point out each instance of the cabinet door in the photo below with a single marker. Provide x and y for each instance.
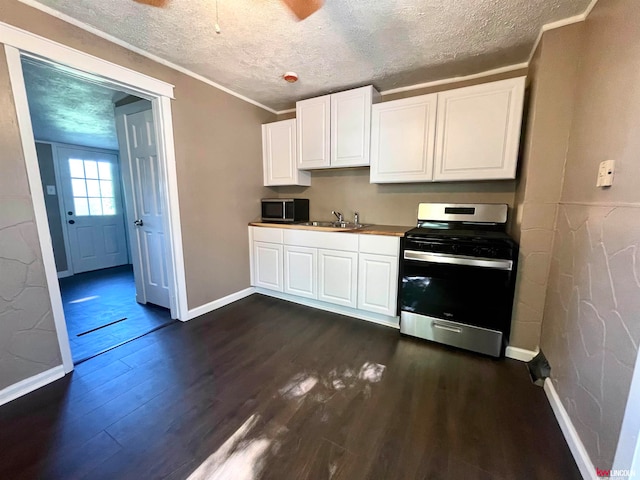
(279, 155)
(378, 283)
(268, 265)
(351, 127)
(301, 271)
(313, 117)
(478, 132)
(338, 277)
(402, 140)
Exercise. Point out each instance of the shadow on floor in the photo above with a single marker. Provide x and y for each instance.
(101, 311)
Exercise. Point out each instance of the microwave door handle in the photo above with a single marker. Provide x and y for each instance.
(426, 257)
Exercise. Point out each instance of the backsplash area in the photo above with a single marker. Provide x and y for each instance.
(349, 191)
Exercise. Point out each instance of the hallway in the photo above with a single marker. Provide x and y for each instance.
(101, 311)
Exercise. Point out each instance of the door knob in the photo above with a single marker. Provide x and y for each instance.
(72, 222)
(69, 213)
(138, 223)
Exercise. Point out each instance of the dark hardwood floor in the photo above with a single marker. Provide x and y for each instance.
(101, 311)
(266, 389)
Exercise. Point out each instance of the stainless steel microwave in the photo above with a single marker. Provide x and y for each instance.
(285, 210)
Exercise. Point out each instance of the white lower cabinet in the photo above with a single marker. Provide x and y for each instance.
(378, 283)
(359, 272)
(268, 265)
(301, 271)
(338, 277)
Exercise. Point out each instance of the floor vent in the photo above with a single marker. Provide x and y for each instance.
(539, 369)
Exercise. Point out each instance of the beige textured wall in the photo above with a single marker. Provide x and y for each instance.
(28, 341)
(219, 167)
(48, 177)
(549, 120)
(349, 191)
(218, 154)
(591, 327)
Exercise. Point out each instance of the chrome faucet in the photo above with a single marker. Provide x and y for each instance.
(339, 215)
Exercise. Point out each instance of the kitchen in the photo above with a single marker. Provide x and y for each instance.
(585, 129)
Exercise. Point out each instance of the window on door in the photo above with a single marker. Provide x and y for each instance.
(92, 185)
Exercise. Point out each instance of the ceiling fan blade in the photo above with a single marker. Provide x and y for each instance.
(303, 8)
(154, 3)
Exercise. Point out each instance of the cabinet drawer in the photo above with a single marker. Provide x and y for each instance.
(267, 234)
(380, 245)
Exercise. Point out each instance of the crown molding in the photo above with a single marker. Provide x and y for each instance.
(99, 33)
(559, 24)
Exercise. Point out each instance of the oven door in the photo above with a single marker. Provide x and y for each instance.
(456, 288)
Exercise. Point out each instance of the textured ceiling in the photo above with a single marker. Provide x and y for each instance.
(67, 109)
(387, 43)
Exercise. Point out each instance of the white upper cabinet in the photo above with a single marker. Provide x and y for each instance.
(314, 123)
(335, 130)
(279, 155)
(351, 127)
(478, 131)
(403, 135)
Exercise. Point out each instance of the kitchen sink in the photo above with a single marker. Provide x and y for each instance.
(341, 225)
(318, 224)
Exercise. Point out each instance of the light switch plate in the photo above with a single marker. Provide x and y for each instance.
(51, 189)
(605, 173)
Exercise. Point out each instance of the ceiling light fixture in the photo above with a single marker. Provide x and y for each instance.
(291, 77)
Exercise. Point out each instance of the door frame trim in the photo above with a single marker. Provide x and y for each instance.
(20, 43)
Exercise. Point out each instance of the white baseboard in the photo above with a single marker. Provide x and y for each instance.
(221, 302)
(520, 354)
(385, 320)
(65, 274)
(30, 384)
(580, 455)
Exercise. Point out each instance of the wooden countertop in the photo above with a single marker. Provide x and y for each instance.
(388, 230)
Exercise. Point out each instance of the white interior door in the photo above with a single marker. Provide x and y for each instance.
(94, 217)
(142, 179)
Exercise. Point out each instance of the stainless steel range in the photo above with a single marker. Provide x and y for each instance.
(458, 270)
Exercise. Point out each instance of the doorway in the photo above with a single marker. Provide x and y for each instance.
(107, 301)
(19, 44)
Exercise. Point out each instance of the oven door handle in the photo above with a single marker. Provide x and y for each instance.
(427, 257)
(435, 324)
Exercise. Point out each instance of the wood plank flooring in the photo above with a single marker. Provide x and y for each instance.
(266, 389)
(94, 299)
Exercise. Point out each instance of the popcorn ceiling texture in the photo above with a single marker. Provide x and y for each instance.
(67, 109)
(348, 43)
